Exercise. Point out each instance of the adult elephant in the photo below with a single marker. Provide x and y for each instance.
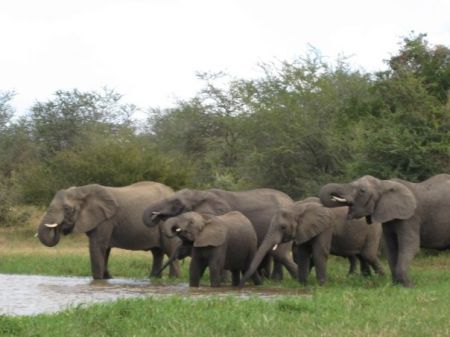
(318, 231)
(110, 217)
(258, 205)
(413, 215)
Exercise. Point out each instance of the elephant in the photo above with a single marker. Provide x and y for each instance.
(413, 215)
(220, 242)
(318, 231)
(258, 205)
(110, 217)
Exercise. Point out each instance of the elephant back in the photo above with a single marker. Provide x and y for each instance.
(258, 205)
(130, 231)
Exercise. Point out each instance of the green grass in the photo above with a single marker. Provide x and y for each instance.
(345, 306)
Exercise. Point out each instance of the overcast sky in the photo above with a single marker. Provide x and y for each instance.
(150, 50)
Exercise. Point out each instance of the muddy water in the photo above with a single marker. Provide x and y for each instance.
(32, 294)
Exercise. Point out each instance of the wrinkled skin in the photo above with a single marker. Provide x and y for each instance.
(258, 205)
(110, 217)
(224, 242)
(318, 231)
(413, 215)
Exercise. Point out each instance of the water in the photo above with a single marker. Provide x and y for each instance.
(33, 294)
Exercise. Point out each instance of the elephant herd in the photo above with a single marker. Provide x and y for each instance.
(257, 233)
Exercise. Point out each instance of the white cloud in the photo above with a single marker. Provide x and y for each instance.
(149, 50)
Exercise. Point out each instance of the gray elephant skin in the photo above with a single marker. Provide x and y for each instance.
(258, 205)
(413, 215)
(318, 231)
(110, 217)
(223, 242)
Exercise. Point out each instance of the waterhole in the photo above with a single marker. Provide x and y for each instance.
(33, 294)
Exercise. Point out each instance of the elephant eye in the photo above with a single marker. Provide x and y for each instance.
(363, 190)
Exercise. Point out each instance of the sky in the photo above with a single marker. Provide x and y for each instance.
(151, 50)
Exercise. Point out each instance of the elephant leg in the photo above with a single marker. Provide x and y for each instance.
(352, 264)
(99, 251)
(158, 257)
(196, 268)
(364, 266)
(390, 245)
(302, 255)
(174, 269)
(265, 266)
(255, 278)
(216, 264)
(311, 264)
(409, 246)
(235, 277)
(320, 263)
(373, 262)
(277, 271)
(106, 274)
(97, 255)
(282, 256)
(224, 276)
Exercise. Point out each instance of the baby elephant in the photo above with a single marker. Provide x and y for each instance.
(224, 242)
(318, 231)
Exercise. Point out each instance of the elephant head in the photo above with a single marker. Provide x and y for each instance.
(185, 200)
(192, 227)
(300, 222)
(377, 200)
(78, 209)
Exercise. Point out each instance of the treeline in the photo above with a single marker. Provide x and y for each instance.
(300, 125)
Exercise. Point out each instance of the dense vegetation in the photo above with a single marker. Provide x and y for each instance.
(301, 124)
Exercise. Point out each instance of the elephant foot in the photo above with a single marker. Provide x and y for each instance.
(107, 276)
(380, 273)
(403, 282)
(155, 275)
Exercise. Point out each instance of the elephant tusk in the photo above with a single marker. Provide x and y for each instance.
(156, 213)
(35, 235)
(338, 199)
(51, 225)
(178, 230)
(275, 247)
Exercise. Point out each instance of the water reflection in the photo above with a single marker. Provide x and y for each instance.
(33, 294)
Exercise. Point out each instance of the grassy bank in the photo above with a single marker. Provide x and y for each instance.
(346, 306)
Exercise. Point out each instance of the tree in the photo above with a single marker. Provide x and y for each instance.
(57, 123)
(6, 110)
(408, 133)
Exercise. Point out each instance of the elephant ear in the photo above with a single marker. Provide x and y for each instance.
(396, 201)
(314, 220)
(98, 205)
(213, 234)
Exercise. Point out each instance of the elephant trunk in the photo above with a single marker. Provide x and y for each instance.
(168, 228)
(336, 195)
(149, 217)
(270, 242)
(49, 231)
(49, 236)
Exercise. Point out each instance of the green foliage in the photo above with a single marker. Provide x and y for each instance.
(118, 159)
(57, 124)
(408, 134)
(299, 125)
(6, 111)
